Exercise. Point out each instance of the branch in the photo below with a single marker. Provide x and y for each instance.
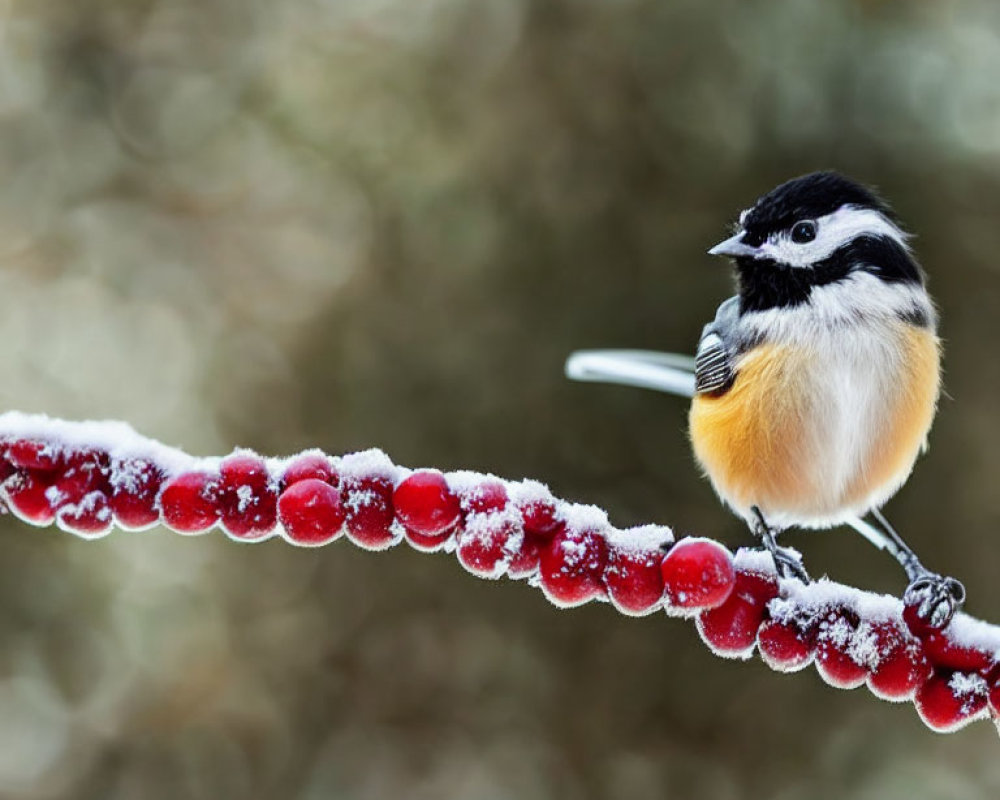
(88, 477)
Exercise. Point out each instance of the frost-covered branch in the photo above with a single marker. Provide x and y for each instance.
(88, 477)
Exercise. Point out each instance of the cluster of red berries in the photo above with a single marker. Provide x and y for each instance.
(501, 528)
(855, 638)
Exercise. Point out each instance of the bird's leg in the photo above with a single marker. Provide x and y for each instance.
(788, 563)
(937, 597)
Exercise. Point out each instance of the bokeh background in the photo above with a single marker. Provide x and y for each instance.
(350, 223)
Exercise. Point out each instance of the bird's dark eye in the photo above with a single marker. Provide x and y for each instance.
(804, 231)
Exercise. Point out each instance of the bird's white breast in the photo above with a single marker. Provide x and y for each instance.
(858, 378)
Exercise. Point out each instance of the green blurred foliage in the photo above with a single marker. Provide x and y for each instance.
(347, 223)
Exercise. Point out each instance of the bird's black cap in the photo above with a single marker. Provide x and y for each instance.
(806, 197)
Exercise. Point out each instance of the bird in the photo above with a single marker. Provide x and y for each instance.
(815, 386)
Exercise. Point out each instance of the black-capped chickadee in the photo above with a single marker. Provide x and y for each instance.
(814, 388)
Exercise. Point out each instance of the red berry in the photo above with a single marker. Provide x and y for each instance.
(429, 543)
(32, 454)
(944, 652)
(428, 509)
(310, 512)
(488, 541)
(540, 518)
(541, 523)
(633, 577)
(310, 465)
(571, 567)
(90, 516)
(697, 574)
(135, 485)
(188, 502)
(730, 630)
(902, 667)
(247, 500)
(786, 646)
(918, 626)
(844, 647)
(950, 700)
(994, 692)
(524, 562)
(82, 472)
(368, 503)
(482, 498)
(30, 497)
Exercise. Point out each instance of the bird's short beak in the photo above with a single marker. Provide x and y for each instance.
(733, 246)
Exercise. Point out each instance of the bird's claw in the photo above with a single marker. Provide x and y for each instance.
(789, 564)
(936, 598)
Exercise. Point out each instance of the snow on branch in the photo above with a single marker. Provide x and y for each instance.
(88, 477)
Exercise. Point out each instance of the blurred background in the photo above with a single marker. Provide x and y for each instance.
(354, 223)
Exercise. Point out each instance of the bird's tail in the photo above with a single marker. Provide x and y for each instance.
(646, 369)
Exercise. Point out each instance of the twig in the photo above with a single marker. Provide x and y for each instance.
(89, 477)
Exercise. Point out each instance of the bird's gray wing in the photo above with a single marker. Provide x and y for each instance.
(714, 370)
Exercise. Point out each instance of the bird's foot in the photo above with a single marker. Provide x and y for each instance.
(789, 564)
(935, 598)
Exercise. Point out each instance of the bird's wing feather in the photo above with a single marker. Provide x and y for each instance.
(714, 371)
